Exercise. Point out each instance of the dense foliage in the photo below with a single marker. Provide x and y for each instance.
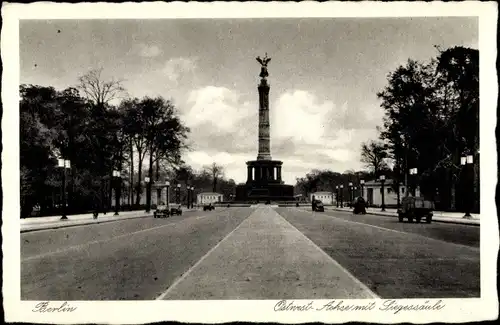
(431, 120)
(100, 131)
(96, 136)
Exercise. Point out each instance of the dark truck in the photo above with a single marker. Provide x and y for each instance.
(208, 207)
(176, 210)
(317, 206)
(416, 208)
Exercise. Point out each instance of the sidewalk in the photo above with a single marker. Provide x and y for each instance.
(439, 216)
(55, 222)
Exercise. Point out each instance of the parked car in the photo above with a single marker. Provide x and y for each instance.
(36, 212)
(318, 206)
(359, 205)
(208, 207)
(416, 208)
(176, 210)
(162, 211)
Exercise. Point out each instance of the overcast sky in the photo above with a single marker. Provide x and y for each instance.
(324, 76)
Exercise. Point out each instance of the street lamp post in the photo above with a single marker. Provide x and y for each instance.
(414, 171)
(116, 175)
(63, 163)
(167, 197)
(382, 180)
(341, 195)
(148, 202)
(337, 196)
(468, 161)
(178, 194)
(362, 184)
(190, 201)
(351, 190)
(192, 197)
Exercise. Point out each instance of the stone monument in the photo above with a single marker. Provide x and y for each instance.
(264, 174)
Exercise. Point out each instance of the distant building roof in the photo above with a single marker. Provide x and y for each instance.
(378, 183)
(209, 193)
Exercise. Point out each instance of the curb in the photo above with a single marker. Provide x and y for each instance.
(458, 222)
(83, 223)
(86, 223)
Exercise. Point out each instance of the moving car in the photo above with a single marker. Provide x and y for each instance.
(176, 210)
(162, 211)
(318, 206)
(415, 208)
(208, 207)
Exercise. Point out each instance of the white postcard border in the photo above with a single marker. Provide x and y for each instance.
(129, 312)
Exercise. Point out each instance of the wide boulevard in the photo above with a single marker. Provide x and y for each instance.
(252, 253)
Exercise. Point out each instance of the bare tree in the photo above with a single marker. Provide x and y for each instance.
(373, 155)
(216, 171)
(98, 91)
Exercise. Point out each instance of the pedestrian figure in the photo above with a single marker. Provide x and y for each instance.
(96, 206)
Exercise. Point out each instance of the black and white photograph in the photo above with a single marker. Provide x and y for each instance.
(264, 162)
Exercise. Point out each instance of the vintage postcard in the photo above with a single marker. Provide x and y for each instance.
(263, 162)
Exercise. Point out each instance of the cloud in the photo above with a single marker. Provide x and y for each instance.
(307, 132)
(223, 129)
(220, 107)
(148, 51)
(299, 116)
(174, 68)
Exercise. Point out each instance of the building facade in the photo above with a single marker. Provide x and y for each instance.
(325, 197)
(209, 197)
(372, 193)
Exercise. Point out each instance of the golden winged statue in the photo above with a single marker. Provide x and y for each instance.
(263, 62)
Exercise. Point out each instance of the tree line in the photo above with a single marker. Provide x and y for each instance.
(100, 130)
(431, 120)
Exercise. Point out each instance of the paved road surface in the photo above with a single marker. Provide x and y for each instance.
(246, 253)
(395, 259)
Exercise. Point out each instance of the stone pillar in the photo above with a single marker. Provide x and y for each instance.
(164, 195)
(279, 173)
(264, 127)
(249, 173)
